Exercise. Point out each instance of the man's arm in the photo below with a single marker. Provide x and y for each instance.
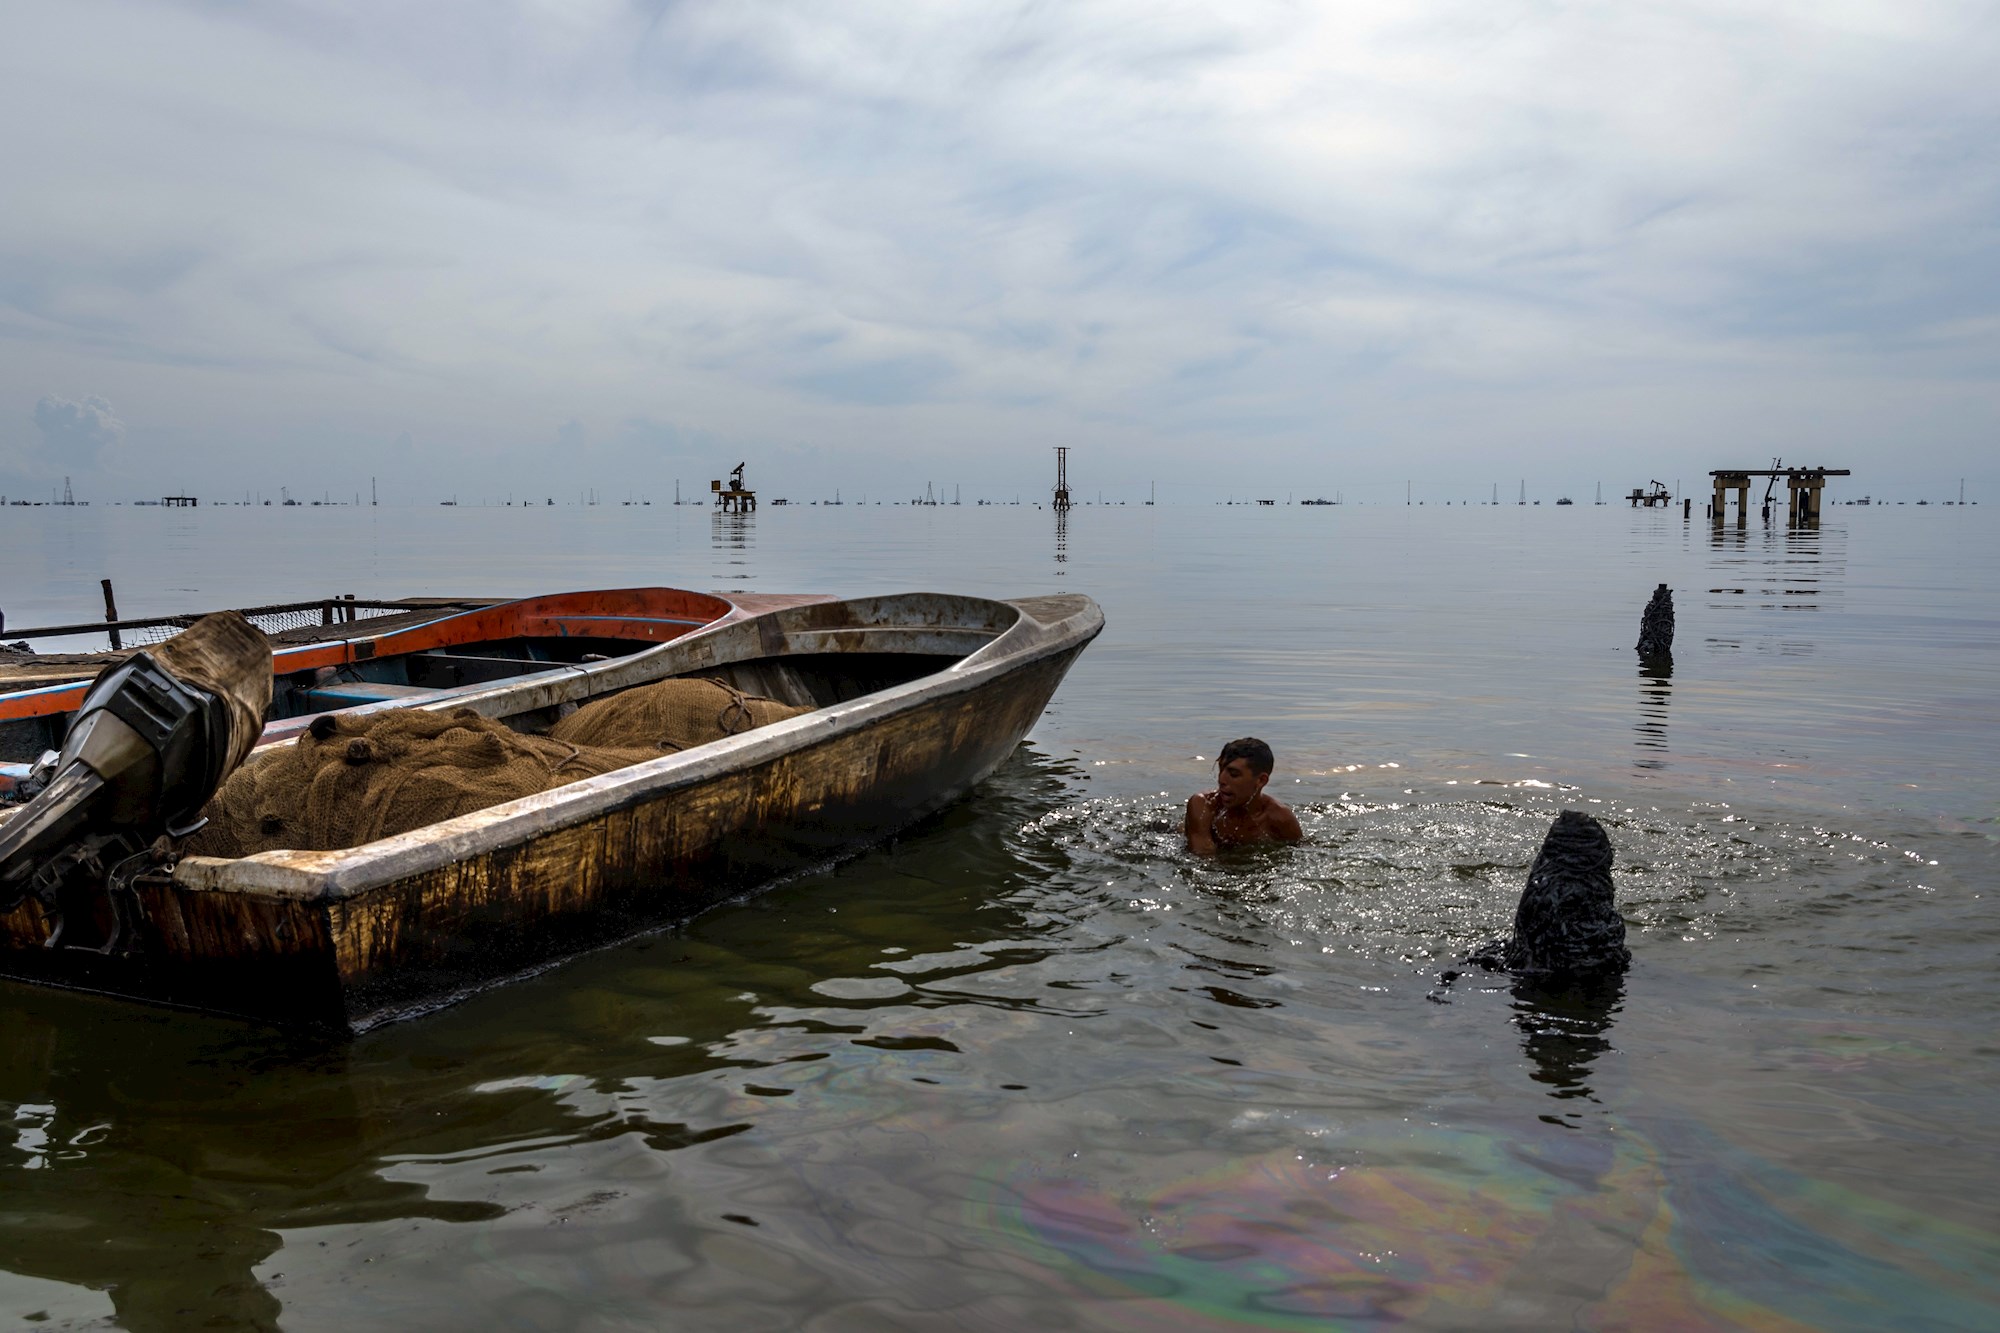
(1200, 825)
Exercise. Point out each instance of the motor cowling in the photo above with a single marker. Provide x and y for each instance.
(151, 742)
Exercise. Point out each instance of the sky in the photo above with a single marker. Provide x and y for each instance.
(1256, 247)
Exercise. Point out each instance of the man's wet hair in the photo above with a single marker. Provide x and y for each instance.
(1249, 748)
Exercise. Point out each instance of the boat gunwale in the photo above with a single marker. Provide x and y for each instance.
(511, 617)
(336, 876)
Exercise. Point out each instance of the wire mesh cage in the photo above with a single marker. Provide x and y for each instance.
(293, 620)
(275, 620)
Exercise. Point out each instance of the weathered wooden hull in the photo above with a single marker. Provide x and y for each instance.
(352, 939)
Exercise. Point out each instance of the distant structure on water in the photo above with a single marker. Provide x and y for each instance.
(1061, 499)
(1806, 487)
(737, 499)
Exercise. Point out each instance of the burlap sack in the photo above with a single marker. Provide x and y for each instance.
(230, 657)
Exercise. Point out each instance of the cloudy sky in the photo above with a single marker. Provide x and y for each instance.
(1251, 246)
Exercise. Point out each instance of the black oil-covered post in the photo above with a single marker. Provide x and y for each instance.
(111, 613)
(1656, 627)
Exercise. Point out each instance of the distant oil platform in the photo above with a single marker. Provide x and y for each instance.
(737, 498)
(1805, 491)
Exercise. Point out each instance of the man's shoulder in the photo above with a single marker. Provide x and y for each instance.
(1278, 817)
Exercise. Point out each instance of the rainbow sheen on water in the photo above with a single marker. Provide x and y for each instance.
(1031, 1066)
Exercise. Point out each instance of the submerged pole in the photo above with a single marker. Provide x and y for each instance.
(111, 612)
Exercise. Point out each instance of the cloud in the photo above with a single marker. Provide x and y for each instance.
(73, 432)
(1149, 227)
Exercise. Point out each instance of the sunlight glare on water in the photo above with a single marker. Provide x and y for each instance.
(1031, 1065)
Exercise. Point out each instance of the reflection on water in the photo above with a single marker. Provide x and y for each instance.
(1033, 1066)
(1062, 540)
(1656, 683)
(148, 1113)
(732, 535)
(1563, 1033)
(1781, 569)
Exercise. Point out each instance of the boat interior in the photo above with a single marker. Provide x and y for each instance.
(880, 660)
(323, 689)
(313, 690)
(820, 680)
(812, 656)
(23, 739)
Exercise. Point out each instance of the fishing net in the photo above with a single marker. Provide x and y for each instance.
(353, 778)
(671, 715)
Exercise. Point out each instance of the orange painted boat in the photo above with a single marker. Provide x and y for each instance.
(508, 641)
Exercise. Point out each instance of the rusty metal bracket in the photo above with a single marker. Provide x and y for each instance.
(127, 914)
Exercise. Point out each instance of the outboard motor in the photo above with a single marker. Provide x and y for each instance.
(152, 740)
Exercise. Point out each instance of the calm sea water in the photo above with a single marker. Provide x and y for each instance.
(1032, 1066)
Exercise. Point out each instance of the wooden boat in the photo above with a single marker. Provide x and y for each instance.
(914, 700)
(560, 632)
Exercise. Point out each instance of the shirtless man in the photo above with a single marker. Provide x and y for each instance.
(1238, 812)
